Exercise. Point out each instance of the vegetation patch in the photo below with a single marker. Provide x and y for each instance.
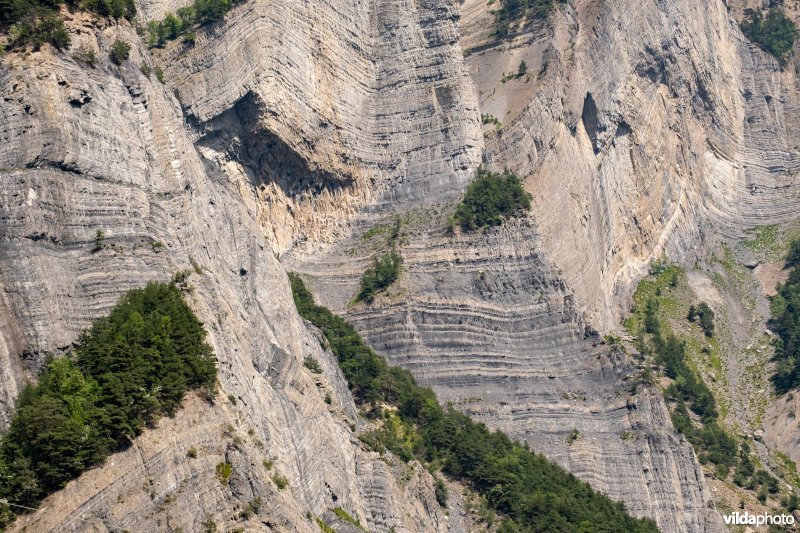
(383, 272)
(311, 363)
(35, 22)
(491, 198)
(186, 20)
(341, 513)
(515, 15)
(532, 493)
(128, 370)
(774, 32)
(224, 471)
(785, 323)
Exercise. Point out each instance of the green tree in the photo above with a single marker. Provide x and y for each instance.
(490, 198)
(774, 33)
(383, 272)
(130, 368)
(119, 51)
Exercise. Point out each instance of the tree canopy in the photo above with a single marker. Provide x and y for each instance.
(129, 369)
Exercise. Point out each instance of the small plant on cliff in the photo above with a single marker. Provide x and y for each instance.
(224, 471)
(311, 363)
(379, 276)
(280, 481)
(491, 198)
(705, 315)
(120, 50)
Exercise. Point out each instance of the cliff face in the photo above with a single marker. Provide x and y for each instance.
(645, 129)
(492, 327)
(107, 149)
(290, 128)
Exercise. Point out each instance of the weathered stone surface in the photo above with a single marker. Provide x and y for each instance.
(290, 124)
(491, 326)
(121, 160)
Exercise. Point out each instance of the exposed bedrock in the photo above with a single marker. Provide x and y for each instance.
(492, 327)
(107, 149)
(645, 129)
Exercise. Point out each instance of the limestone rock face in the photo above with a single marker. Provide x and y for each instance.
(644, 129)
(107, 149)
(492, 327)
(290, 128)
(324, 107)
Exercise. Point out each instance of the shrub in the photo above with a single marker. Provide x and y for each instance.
(490, 198)
(191, 453)
(706, 316)
(523, 69)
(441, 492)
(515, 13)
(86, 55)
(774, 33)
(120, 50)
(252, 507)
(99, 237)
(379, 276)
(311, 363)
(224, 471)
(280, 481)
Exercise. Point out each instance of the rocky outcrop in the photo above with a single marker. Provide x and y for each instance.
(85, 149)
(294, 125)
(685, 135)
(491, 326)
(324, 108)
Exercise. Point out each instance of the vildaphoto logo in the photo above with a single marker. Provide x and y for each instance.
(747, 519)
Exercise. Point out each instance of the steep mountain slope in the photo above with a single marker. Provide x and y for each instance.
(286, 132)
(106, 149)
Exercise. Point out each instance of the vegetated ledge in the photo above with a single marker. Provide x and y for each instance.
(131, 368)
(532, 493)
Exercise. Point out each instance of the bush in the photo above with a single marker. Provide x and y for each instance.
(706, 316)
(441, 492)
(514, 13)
(312, 364)
(128, 370)
(224, 471)
(379, 276)
(489, 199)
(280, 481)
(119, 52)
(183, 22)
(774, 33)
(37, 22)
(533, 493)
(86, 55)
